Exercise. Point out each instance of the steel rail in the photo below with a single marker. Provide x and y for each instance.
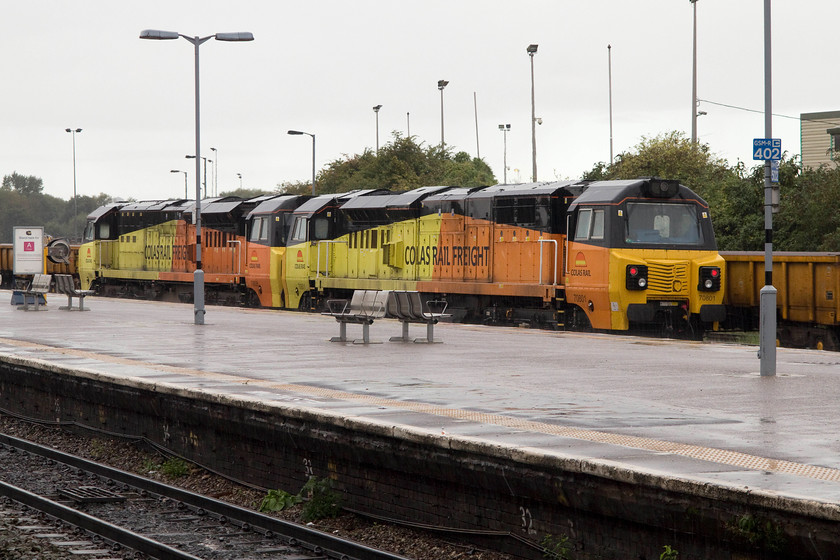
(102, 528)
(325, 543)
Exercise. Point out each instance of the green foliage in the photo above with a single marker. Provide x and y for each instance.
(278, 500)
(245, 193)
(668, 553)
(556, 548)
(23, 204)
(323, 500)
(175, 467)
(400, 165)
(318, 497)
(762, 534)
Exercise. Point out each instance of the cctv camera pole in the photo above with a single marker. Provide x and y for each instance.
(767, 299)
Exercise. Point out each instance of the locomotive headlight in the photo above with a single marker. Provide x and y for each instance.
(709, 279)
(636, 277)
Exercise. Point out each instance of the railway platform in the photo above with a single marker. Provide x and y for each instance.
(683, 437)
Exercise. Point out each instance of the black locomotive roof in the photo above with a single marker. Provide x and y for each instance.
(525, 189)
(105, 209)
(456, 193)
(608, 192)
(406, 199)
(315, 204)
(276, 203)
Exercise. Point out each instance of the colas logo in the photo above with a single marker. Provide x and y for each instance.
(580, 264)
(299, 256)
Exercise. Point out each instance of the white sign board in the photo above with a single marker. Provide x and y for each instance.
(29, 250)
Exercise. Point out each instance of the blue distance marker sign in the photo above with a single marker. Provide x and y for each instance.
(767, 148)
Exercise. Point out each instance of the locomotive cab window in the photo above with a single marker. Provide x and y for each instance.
(590, 224)
(299, 230)
(659, 223)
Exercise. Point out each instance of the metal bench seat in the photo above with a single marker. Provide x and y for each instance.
(64, 284)
(39, 286)
(407, 307)
(363, 308)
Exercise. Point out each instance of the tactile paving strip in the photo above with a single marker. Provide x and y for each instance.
(720, 456)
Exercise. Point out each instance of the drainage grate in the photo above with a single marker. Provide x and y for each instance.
(90, 495)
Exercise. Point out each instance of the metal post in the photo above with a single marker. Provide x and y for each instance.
(475, 106)
(441, 84)
(198, 277)
(609, 73)
(532, 49)
(694, 79)
(376, 111)
(313, 163)
(767, 300)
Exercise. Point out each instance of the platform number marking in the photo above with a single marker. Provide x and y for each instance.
(527, 521)
(307, 467)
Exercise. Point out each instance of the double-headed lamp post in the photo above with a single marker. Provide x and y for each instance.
(73, 131)
(505, 128)
(155, 34)
(299, 133)
(532, 50)
(205, 171)
(185, 180)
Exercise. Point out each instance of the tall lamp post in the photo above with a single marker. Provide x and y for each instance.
(505, 128)
(215, 171)
(532, 50)
(73, 132)
(376, 110)
(185, 180)
(694, 78)
(240, 179)
(155, 34)
(299, 133)
(205, 160)
(441, 84)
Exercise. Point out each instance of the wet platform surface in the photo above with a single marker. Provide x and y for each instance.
(689, 410)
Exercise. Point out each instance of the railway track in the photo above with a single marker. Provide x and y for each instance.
(115, 514)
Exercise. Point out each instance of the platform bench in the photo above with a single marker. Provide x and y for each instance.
(64, 284)
(408, 308)
(39, 286)
(362, 309)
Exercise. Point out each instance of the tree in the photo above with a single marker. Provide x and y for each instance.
(25, 185)
(400, 165)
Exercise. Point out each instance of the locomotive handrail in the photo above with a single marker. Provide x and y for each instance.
(239, 253)
(318, 261)
(99, 251)
(541, 241)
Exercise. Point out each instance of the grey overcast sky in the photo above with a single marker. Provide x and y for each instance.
(320, 66)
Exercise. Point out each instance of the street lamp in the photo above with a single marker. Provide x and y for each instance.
(185, 180)
(441, 84)
(532, 50)
(505, 128)
(155, 34)
(205, 170)
(215, 172)
(694, 78)
(240, 179)
(376, 110)
(73, 132)
(298, 133)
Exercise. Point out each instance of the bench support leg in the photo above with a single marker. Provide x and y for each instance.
(342, 333)
(404, 337)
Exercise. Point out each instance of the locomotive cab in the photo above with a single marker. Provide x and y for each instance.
(645, 246)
